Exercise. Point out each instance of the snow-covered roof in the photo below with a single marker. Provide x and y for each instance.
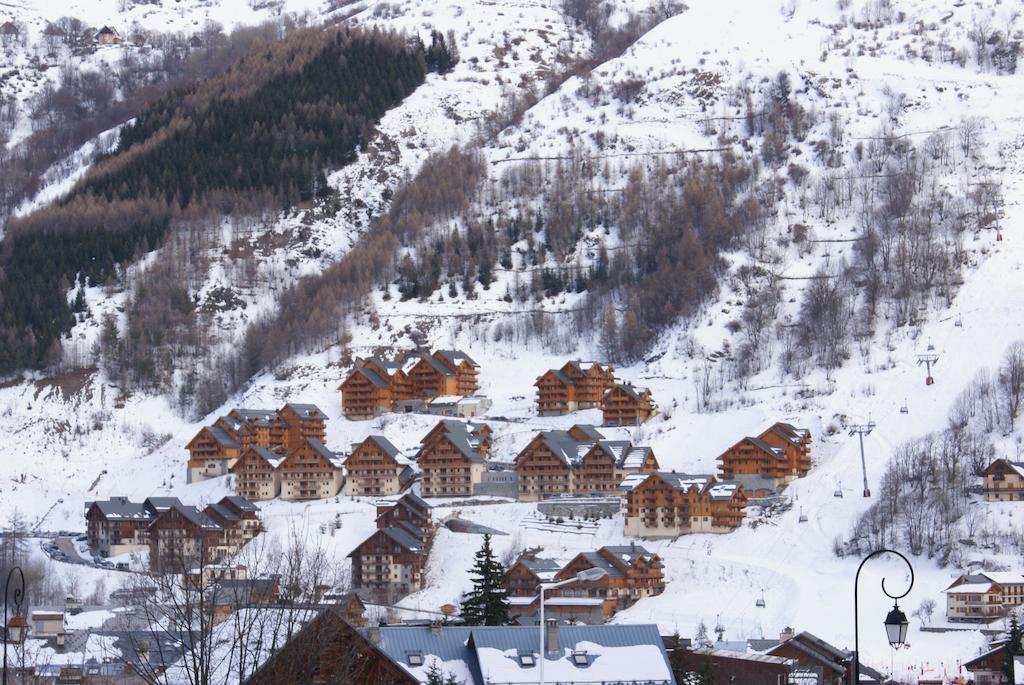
(970, 588)
(622, 654)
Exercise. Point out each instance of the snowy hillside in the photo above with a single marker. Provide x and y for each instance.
(871, 69)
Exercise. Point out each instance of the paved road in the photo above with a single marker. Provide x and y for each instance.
(66, 546)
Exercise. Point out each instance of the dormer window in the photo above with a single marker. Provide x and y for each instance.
(415, 659)
(527, 660)
(580, 659)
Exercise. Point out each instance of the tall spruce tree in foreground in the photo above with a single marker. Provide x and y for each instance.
(1013, 647)
(487, 603)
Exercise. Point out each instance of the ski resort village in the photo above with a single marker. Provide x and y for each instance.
(512, 342)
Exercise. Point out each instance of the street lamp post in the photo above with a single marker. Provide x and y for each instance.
(9, 597)
(586, 575)
(896, 623)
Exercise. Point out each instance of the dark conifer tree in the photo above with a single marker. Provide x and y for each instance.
(487, 603)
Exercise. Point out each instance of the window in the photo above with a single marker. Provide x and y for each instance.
(415, 659)
(527, 660)
(580, 659)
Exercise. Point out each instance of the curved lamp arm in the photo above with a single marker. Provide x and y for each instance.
(856, 581)
(15, 598)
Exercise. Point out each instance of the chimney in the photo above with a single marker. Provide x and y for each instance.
(551, 636)
(143, 652)
(786, 634)
(435, 627)
(373, 632)
(632, 546)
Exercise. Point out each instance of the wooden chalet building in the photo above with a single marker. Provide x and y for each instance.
(211, 453)
(216, 448)
(183, 537)
(524, 576)
(388, 565)
(329, 649)
(984, 596)
(257, 473)
(626, 405)
(452, 458)
(108, 36)
(578, 461)
(373, 387)
(445, 372)
(669, 504)
(118, 526)
(631, 573)
(376, 467)
(1004, 481)
(577, 385)
(987, 668)
(310, 471)
(779, 455)
(812, 654)
(239, 518)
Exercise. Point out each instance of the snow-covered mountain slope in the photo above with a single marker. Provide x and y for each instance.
(75, 438)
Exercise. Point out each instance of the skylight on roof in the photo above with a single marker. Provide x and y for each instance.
(580, 659)
(415, 659)
(527, 660)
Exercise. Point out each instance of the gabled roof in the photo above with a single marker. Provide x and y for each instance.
(635, 392)
(255, 417)
(322, 450)
(268, 455)
(456, 357)
(194, 516)
(158, 504)
(403, 537)
(437, 365)
(544, 569)
(1015, 466)
(628, 553)
(616, 653)
(306, 411)
(221, 437)
(370, 375)
(788, 433)
(560, 375)
(121, 509)
(817, 649)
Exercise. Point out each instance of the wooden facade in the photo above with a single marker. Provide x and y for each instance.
(665, 504)
(577, 462)
(577, 385)
(452, 458)
(375, 386)
(780, 454)
(389, 564)
(215, 448)
(376, 467)
(330, 650)
(631, 573)
(1004, 481)
(987, 668)
(310, 471)
(984, 596)
(626, 405)
(257, 473)
(524, 576)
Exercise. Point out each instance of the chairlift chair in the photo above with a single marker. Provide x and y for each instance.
(904, 409)
(803, 516)
(760, 602)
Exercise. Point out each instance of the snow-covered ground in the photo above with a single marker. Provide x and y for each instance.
(75, 439)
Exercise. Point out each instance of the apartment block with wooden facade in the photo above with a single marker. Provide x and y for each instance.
(627, 405)
(984, 596)
(373, 387)
(310, 471)
(452, 458)
(389, 564)
(119, 526)
(182, 537)
(780, 454)
(215, 448)
(258, 473)
(631, 573)
(577, 385)
(375, 467)
(524, 576)
(669, 504)
(1004, 481)
(578, 461)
